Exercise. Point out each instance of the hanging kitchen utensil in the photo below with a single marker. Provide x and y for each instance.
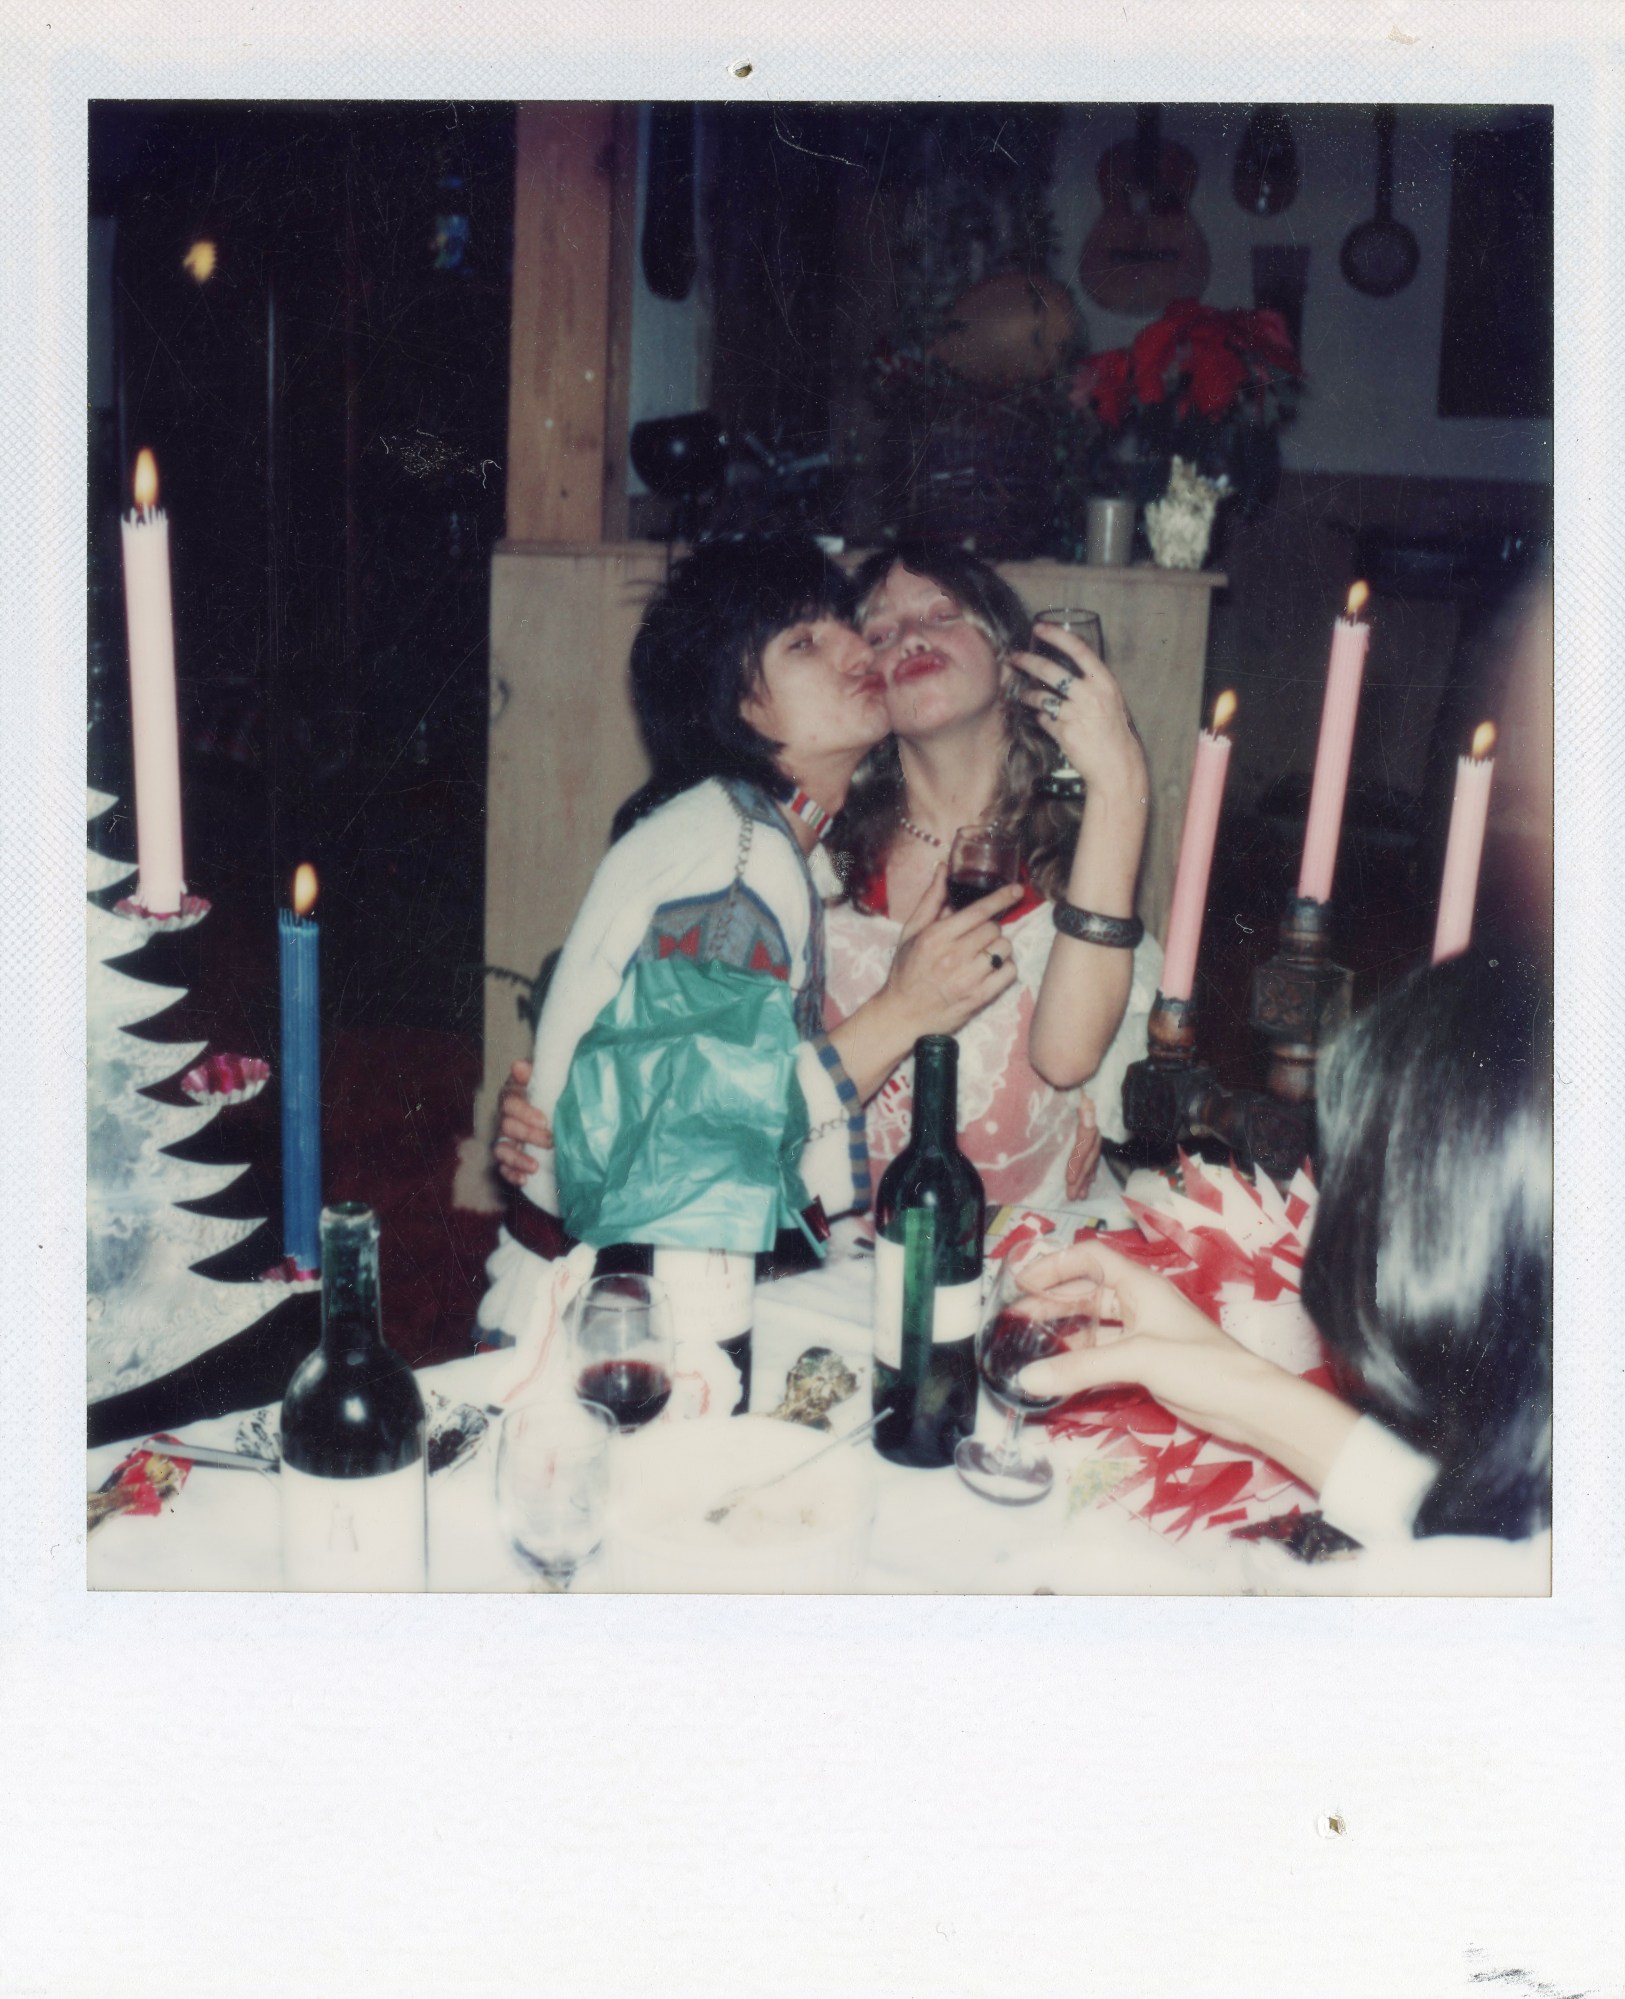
(1379, 257)
(1265, 178)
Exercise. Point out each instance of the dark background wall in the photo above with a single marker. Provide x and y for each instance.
(328, 414)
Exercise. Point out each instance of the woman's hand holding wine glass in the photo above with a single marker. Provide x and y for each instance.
(948, 966)
(1145, 1331)
(982, 859)
(1010, 1339)
(1079, 704)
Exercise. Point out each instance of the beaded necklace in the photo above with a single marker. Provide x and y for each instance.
(931, 839)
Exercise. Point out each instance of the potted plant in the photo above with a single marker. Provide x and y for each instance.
(1202, 390)
(983, 438)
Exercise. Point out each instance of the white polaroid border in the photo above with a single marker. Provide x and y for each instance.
(598, 1795)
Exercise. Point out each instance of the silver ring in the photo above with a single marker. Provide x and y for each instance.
(1051, 705)
(1063, 687)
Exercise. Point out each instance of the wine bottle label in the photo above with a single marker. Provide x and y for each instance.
(712, 1291)
(957, 1311)
(355, 1533)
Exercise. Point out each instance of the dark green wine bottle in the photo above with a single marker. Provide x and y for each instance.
(928, 1275)
(353, 1488)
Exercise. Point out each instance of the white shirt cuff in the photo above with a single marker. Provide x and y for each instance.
(1376, 1485)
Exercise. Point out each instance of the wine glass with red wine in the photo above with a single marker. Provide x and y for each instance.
(1061, 780)
(981, 859)
(1008, 1340)
(621, 1346)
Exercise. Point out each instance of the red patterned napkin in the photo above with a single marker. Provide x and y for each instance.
(141, 1483)
(1229, 1246)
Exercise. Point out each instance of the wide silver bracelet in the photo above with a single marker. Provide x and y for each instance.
(1120, 933)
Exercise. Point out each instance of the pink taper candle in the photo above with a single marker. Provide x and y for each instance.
(1335, 749)
(1201, 829)
(151, 626)
(1464, 850)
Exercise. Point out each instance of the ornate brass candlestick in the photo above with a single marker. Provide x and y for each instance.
(1162, 1093)
(1299, 1000)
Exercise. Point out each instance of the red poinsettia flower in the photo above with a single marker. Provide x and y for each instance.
(1215, 378)
(1152, 356)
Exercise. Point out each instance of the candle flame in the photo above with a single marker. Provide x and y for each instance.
(1483, 739)
(200, 260)
(1359, 597)
(304, 889)
(1224, 710)
(146, 480)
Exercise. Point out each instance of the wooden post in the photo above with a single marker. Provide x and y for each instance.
(570, 340)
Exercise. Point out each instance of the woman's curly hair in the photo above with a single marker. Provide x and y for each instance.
(871, 819)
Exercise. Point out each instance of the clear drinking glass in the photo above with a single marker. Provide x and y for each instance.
(1008, 1339)
(981, 859)
(621, 1347)
(553, 1484)
(1062, 780)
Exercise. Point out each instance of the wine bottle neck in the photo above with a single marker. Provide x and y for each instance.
(936, 1093)
(351, 1312)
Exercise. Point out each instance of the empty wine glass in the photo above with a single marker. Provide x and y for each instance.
(981, 859)
(621, 1342)
(1009, 1339)
(553, 1484)
(1061, 780)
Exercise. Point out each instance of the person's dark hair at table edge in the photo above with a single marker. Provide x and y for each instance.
(1430, 1267)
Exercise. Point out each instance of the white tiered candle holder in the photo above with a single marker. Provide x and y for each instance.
(160, 923)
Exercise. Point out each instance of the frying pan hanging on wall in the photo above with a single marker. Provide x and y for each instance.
(1379, 257)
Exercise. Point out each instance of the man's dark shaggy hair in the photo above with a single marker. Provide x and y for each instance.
(698, 655)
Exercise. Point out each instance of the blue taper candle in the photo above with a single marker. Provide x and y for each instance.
(299, 965)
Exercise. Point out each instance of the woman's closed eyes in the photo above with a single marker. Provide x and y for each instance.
(879, 636)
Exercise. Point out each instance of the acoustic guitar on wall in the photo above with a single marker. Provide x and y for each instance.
(1145, 249)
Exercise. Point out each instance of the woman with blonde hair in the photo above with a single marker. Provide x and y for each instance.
(977, 722)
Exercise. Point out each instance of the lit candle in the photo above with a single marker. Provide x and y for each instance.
(299, 965)
(1335, 750)
(149, 619)
(1469, 812)
(1201, 829)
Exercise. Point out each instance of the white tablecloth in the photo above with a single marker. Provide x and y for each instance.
(930, 1533)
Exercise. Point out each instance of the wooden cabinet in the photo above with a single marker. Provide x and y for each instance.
(564, 749)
